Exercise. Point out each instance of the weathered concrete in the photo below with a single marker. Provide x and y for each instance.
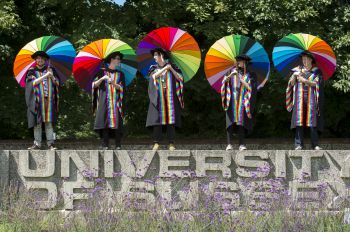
(242, 178)
(185, 144)
(4, 170)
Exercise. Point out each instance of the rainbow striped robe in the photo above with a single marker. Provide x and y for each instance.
(236, 99)
(108, 101)
(37, 111)
(165, 105)
(305, 110)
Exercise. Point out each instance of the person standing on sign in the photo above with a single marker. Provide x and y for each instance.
(238, 94)
(108, 100)
(165, 91)
(304, 98)
(42, 95)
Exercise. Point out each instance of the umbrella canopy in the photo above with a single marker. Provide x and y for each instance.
(221, 57)
(286, 53)
(90, 58)
(181, 46)
(61, 54)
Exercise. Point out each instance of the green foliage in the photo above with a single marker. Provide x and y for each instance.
(9, 20)
(82, 21)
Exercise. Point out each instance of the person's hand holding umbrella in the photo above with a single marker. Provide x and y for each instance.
(176, 74)
(233, 73)
(246, 85)
(104, 78)
(160, 72)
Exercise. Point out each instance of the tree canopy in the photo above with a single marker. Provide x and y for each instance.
(83, 21)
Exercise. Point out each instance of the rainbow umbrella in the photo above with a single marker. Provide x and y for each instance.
(90, 58)
(61, 54)
(221, 58)
(183, 49)
(286, 53)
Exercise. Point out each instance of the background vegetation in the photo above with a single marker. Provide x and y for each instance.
(83, 21)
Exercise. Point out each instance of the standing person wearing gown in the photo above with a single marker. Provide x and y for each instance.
(42, 96)
(165, 91)
(304, 98)
(238, 94)
(108, 101)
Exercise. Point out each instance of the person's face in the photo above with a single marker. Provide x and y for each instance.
(40, 61)
(158, 57)
(307, 61)
(241, 63)
(115, 61)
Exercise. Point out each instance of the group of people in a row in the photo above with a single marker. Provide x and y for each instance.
(304, 98)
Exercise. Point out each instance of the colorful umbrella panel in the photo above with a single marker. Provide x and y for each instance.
(90, 59)
(221, 58)
(286, 53)
(61, 54)
(184, 50)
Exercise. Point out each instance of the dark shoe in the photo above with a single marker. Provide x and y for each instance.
(103, 146)
(34, 147)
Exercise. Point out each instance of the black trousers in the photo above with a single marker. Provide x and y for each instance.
(105, 136)
(299, 130)
(299, 136)
(157, 133)
(241, 135)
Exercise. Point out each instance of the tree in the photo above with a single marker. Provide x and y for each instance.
(83, 21)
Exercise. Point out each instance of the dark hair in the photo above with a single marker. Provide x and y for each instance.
(40, 53)
(160, 51)
(243, 57)
(112, 56)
